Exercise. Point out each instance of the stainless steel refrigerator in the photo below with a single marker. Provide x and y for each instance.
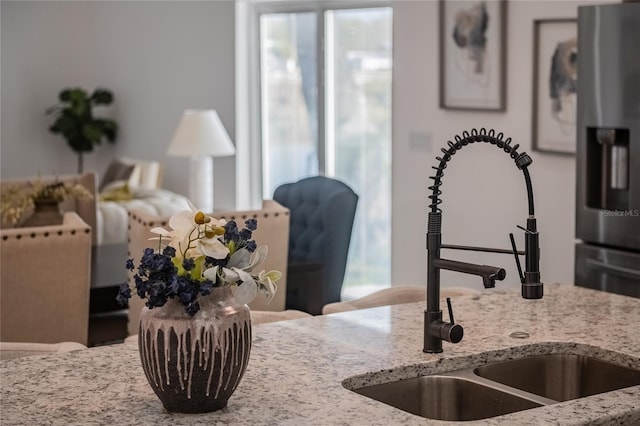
(608, 149)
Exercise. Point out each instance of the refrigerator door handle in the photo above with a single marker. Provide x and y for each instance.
(621, 270)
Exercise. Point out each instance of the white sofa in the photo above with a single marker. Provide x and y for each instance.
(112, 217)
(139, 191)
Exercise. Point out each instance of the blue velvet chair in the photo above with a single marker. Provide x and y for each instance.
(322, 214)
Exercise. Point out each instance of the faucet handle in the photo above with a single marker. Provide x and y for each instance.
(451, 332)
(515, 253)
(450, 309)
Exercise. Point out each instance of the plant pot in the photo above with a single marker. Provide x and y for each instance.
(46, 211)
(194, 364)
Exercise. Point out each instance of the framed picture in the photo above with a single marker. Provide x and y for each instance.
(555, 72)
(472, 55)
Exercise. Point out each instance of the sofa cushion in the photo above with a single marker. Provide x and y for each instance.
(117, 171)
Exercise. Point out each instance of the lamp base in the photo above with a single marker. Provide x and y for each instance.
(201, 183)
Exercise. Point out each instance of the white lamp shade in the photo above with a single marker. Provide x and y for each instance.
(200, 133)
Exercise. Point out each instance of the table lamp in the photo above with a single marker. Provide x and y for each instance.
(201, 136)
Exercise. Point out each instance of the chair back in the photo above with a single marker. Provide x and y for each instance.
(46, 275)
(322, 215)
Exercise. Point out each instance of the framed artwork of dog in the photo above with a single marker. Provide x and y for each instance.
(555, 72)
(473, 55)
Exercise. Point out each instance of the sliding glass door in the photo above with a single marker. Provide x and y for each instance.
(325, 85)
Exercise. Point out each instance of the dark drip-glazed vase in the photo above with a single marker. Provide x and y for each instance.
(194, 364)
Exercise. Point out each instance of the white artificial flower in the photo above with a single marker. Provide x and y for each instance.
(268, 279)
(243, 286)
(212, 247)
(184, 230)
(246, 291)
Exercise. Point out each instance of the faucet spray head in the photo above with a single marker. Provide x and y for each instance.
(531, 286)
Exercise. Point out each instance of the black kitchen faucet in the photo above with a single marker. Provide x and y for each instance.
(435, 329)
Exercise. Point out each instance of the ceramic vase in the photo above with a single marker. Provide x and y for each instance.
(194, 364)
(46, 211)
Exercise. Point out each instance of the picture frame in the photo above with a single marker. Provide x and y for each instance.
(473, 55)
(554, 96)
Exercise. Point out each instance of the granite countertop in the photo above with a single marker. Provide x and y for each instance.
(297, 367)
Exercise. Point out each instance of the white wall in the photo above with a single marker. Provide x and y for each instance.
(484, 195)
(162, 57)
(158, 58)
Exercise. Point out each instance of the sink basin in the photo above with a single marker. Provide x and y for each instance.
(500, 387)
(561, 377)
(446, 398)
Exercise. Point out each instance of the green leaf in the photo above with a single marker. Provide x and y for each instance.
(81, 144)
(92, 132)
(78, 96)
(102, 97)
(109, 128)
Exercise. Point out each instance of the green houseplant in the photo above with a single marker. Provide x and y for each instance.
(74, 120)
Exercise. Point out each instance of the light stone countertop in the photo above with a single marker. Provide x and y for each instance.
(297, 367)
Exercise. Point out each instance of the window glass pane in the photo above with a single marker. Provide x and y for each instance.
(289, 90)
(358, 133)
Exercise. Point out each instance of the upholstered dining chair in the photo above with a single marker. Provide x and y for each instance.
(394, 295)
(322, 215)
(46, 275)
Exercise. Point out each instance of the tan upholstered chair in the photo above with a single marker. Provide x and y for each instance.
(392, 296)
(273, 231)
(45, 273)
(11, 350)
(86, 208)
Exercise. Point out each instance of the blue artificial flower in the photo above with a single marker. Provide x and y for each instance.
(169, 251)
(245, 234)
(250, 246)
(188, 295)
(173, 287)
(188, 263)
(130, 266)
(205, 287)
(231, 232)
(124, 294)
(252, 224)
(192, 308)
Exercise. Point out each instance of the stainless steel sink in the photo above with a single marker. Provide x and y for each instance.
(447, 398)
(561, 377)
(499, 388)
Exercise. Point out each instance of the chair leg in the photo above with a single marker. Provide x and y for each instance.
(305, 290)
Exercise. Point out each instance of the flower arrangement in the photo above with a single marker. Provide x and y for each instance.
(196, 255)
(17, 199)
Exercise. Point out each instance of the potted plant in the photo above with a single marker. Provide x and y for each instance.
(195, 331)
(74, 120)
(42, 198)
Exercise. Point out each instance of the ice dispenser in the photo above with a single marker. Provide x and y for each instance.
(608, 168)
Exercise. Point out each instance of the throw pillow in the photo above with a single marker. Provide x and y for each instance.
(115, 172)
(116, 191)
